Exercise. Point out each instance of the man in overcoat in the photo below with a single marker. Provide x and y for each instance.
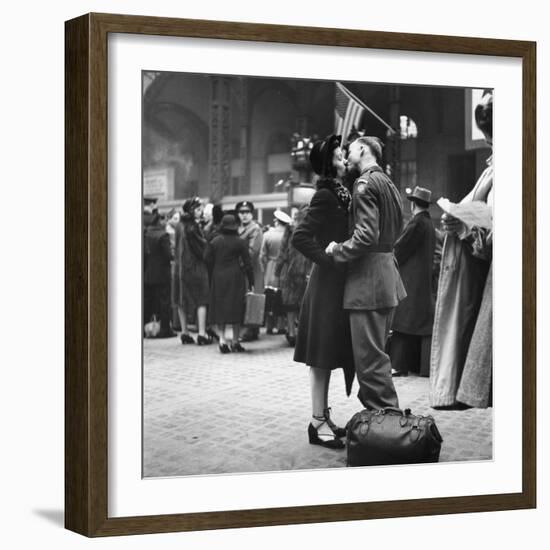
(157, 276)
(251, 232)
(373, 284)
(410, 342)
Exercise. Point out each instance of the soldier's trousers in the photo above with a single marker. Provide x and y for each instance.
(369, 332)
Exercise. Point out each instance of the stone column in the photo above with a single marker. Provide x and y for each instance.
(394, 141)
(220, 136)
(244, 183)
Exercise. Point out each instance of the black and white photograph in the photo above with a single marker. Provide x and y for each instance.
(317, 276)
(261, 238)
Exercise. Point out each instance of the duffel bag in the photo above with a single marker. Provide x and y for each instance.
(391, 436)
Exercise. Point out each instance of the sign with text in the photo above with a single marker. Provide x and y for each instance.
(159, 183)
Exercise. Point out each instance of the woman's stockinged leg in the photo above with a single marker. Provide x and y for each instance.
(236, 332)
(183, 320)
(235, 346)
(184, 337)
(221, 334)
(319, 379)
(327, 383)
(201, 320)
(291, 323)
(337, 431)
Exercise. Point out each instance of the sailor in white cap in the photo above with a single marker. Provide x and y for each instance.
(271, 246)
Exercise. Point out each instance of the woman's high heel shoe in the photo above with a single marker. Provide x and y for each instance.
(224, 348)
(213, 334)
(204, 340)
(186, 339)
(314, 439)
(336, 430)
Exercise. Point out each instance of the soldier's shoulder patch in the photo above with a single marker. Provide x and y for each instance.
(361, 187)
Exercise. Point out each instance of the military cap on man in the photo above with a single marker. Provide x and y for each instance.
(244, 204)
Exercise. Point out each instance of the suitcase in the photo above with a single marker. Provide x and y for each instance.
(391, 436)
(254, 310)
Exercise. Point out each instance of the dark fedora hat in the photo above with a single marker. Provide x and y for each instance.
(229, 224)
(420, 194)
(320, 156)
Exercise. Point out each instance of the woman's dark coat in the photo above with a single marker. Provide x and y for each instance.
(414, 251)
(228, 258)
(292, 269)
(324, 339)
(192, 289)
(157, 256)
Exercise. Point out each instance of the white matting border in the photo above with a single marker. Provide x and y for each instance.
(129, 495)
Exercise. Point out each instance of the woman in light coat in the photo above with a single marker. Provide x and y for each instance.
(293, 270)
(461, 354)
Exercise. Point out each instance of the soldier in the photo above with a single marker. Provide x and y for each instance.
(373, 284)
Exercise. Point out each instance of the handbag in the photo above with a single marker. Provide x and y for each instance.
(152, 328)
(273, 300)
(391, 436)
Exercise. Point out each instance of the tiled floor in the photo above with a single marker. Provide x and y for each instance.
(208, 413)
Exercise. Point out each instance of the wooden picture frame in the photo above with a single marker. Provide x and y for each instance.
(86, 276)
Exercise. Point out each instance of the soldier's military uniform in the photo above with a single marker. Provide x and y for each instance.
(373, 284)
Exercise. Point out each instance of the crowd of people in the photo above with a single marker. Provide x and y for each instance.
(357, 289)
(200, 262)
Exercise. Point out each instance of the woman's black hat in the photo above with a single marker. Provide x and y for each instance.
(190, 204)
(484, 113)
(229, 224)
(320, 156)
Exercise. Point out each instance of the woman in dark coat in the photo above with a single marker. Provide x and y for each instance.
(192, 291)
(212, 228)
(229, 261)
(292, 269)
(324, 339)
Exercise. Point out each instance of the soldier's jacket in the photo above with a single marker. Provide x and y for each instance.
(376, 221)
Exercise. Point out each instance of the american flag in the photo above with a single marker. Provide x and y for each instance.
(347, 113)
